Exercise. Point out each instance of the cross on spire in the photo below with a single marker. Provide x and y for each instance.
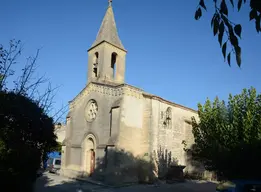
(110, 2)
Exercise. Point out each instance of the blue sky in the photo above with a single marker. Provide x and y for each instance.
(169, 53)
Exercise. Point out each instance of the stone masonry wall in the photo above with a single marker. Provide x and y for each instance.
(170, 138)
(133, 135)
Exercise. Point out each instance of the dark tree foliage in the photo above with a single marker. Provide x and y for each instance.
(228, 137)
(26, 134)
(223, 26)
(57, 147)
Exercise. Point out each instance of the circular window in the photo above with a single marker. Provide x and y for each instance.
(91, 110)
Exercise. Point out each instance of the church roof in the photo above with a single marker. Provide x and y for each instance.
(108, 30)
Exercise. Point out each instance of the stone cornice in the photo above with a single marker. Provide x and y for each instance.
(109, 89)
(101, 146)
(67, 143)
(188, 121)
(112, 89)
(75, 146)
(109, 44)
(168, 102)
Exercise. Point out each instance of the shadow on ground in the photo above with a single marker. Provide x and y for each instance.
(55, 183)
(126, 173)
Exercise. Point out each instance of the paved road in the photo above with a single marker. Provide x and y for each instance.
(55, 183)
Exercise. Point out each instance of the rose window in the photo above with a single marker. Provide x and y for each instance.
(91, 110)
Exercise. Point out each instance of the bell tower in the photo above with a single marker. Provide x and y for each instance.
(106, 57)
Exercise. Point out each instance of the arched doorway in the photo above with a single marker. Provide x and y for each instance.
(89, 148)
(92, 161)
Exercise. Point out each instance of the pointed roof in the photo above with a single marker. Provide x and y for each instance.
(108, 30)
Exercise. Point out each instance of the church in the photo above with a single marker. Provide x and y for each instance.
(109, 114)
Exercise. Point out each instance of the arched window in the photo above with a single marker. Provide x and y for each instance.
(113, 64)
(95, 64)
(169, 118)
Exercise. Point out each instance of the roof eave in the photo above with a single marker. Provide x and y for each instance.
(108, 43)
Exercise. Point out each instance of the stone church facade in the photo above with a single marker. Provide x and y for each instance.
(109, 114)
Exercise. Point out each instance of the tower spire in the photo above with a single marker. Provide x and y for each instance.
(106, 57)
(108, 31)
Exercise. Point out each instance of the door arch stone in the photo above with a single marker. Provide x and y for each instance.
(89, 152)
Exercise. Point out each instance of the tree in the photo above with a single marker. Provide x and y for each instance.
(57, 147)
(228, 136)
(223, 26)
(26, 129)
(27, 83)
(26, 135)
